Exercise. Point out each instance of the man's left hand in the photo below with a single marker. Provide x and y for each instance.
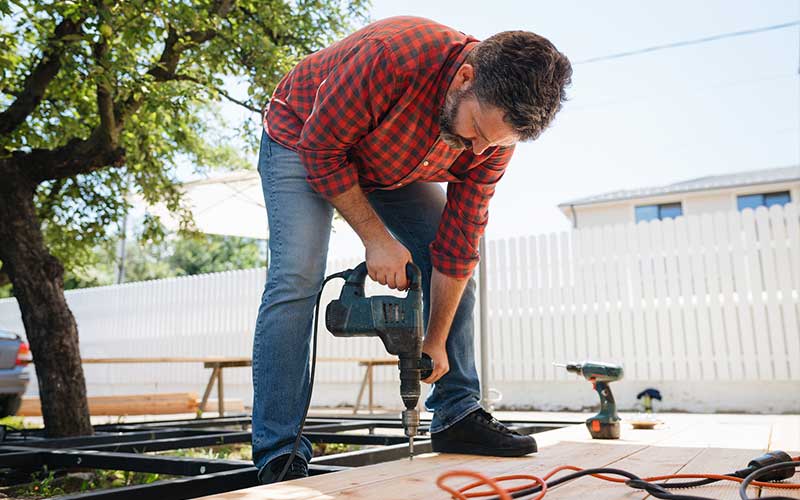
(438, 353)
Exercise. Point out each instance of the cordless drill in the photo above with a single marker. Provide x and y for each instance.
(397, 321)
(604, 425)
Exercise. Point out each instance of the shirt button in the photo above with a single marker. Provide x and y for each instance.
(425, 163)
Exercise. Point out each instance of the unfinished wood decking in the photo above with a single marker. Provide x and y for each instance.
(682, 444)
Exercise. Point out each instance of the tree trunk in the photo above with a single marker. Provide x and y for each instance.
(38, 283)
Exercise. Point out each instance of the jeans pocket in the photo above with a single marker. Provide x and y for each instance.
(264, 153)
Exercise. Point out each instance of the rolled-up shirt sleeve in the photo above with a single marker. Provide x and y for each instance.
(454, 251)
(347, 106)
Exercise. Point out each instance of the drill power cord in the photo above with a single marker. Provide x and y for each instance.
(293, 454)
(539, 486)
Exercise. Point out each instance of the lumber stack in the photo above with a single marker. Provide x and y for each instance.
(138, 404)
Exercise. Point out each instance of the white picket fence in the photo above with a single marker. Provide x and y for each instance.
(705, 308)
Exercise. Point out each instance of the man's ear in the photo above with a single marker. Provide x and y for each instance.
(465, 76)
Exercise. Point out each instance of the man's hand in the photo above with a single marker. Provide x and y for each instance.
(438, 353)
(386, 257)
(386, 262)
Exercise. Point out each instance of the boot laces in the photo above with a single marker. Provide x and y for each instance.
(493, 422)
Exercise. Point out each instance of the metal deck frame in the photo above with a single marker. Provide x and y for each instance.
(125, 447)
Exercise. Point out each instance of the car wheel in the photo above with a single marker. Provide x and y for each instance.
(9, 404)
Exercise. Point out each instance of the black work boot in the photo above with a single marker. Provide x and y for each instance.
(481, 434)
(271, 471)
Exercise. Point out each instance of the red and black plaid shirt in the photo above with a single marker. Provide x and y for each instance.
(365, 111)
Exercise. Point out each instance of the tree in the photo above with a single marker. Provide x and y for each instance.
(99, 98)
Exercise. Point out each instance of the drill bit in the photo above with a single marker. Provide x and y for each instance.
(411, 448)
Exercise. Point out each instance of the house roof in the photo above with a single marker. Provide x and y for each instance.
(748, 178)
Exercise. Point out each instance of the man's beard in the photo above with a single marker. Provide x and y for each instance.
(447, 118)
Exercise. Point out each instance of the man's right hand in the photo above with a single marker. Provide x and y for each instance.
(386, 262)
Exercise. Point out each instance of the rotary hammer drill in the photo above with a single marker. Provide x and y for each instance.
(397, 321)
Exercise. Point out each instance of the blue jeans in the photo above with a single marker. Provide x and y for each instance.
(300, 225)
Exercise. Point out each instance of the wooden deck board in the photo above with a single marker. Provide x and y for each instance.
(683, 444)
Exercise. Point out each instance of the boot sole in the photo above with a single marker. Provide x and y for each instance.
(473, 449)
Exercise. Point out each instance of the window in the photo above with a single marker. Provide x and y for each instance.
(658, 212)
(763, 200)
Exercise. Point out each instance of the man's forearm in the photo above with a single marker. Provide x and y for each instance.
(446, 294)
(357, 211)
(385, 256)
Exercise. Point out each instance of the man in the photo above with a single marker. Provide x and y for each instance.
(368, 126)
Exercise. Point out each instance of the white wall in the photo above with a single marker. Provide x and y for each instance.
(704, 308)
(694, 203)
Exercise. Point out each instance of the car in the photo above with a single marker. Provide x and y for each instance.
(15, 355)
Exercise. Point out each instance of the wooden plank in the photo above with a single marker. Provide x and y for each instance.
(785, 434)
(626, 333)
(650, 333)
(588, 251)
(526, 315)
(791, 211)
(578, 263)
(786, 302)
(760, 326)
(568, 298)
(522, 360)
(661, 250)
(704, 334)
(640, 344)
(501, 306)
(743, 289)
(495, 325)
(687, 305)
(404, 479)
(548, 351)
(559, 351)
(718, 334)
(601, 289)
(676, 330)
(612, 258)
(536, 312)
(168, 359)
(726, 232)
(780, 362)
(717, 461)
(141, 404)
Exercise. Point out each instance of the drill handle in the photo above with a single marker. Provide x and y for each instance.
(607, 404)
(358, 276)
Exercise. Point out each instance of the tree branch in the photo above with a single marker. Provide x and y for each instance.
(38, 80)
(164, 69)
(78, 156)
(105, 98)
(236, 101)
(221, 92)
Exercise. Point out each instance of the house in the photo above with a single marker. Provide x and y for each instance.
(716, 193)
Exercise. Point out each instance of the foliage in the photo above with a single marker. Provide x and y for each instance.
(147, 74)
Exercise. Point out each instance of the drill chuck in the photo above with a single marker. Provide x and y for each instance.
(411, 422)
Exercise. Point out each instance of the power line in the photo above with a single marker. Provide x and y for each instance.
(684, 43)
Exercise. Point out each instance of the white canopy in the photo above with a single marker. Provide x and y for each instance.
(230, 204)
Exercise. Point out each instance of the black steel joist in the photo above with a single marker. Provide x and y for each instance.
(126, 447)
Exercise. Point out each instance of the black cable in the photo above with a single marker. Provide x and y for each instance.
(633, 481)
(292, 455)
(760, 472)
(690, 484)
(658, 490)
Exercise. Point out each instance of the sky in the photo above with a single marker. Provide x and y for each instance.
(661, 117)
(656, 118)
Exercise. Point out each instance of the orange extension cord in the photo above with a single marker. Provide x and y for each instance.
(464, 492)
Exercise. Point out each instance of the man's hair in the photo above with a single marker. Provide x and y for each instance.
(524, 75)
